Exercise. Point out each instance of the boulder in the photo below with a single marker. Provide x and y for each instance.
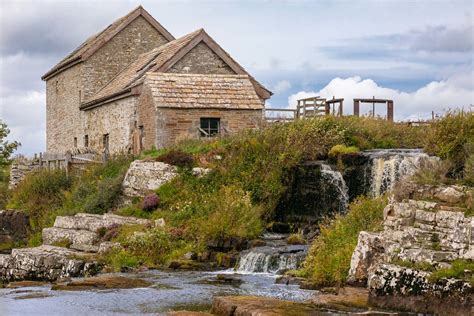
(370, 247)
(253, 305)
(144, 176)
(13, 226)
(47, 263)
(54, 236)
(450, 194)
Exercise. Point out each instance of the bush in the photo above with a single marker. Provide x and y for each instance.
(177, 158)
(339, 150)
(328, 260)
(468, 176)
(40, 194)
(432, 172)
(452, 138)
(150, 202)
(295, 239)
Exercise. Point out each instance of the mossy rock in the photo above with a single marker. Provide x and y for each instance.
(102, 283)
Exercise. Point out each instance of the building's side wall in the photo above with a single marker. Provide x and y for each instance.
(146, 114)
(177, 124)
(117, 119)
(201, 60)
(63, 118)
(137, 38)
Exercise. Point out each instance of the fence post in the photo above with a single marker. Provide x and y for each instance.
(68, 162)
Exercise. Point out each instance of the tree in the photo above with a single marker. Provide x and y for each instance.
(6, 148)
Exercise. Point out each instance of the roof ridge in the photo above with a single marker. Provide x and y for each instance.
(93, 42)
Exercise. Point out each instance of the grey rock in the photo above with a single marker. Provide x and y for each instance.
(145, 176)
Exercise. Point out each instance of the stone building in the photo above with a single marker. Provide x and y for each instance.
(133, 86)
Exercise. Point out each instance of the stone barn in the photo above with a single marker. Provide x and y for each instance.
(133, 86)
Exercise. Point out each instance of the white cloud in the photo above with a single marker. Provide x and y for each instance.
(281, 86)
(438, 96)
(24, 112)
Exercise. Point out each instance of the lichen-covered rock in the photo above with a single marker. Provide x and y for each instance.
(81, 231)
(144, 176)
(370, 247)
(451, 194)
(108, 246)
(47, 263)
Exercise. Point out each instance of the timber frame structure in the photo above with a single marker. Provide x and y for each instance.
(374, 101)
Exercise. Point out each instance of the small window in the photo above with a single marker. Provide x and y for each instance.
(75, 142)
(86, 141)
(80, 96)
(105, 141)
(210, 127)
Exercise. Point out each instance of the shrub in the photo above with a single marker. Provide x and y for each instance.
(452, 138)
(328, 261)
(468, 176)
(150, 202)
(40, 194)
(296, 239)
(120, 260)
(339, 150)
(177, 158)
(432, 172)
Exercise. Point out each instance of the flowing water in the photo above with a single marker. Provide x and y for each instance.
(388, 166)
(275, 257)
(170, 291)
(335, 179)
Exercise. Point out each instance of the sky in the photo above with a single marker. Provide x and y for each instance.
(418, 53)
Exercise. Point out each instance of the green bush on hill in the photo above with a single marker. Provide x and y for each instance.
(329, 258)
(47, 194)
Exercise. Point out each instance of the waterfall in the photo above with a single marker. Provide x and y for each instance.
(391, 165)
(271, 260)
(335, 178)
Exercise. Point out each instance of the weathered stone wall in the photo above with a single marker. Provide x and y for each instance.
(66, 91)
(176, 124)
(63, 118)
(201, 60)
(116, 119)
(146, 113)
(20, 168)
(137, 38)
(432, 230)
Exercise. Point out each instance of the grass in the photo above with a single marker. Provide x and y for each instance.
(423, 266)
(47, 194)
(296, 239)
(456, 271)
(328, 261)
(339, 150)
(4, 192)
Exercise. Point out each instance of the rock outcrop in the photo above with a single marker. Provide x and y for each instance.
(47, 263)
(145, 176)
(81, 233)
(431, 231)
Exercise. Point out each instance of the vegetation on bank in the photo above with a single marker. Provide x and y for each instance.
(329, 258)
(6, 150)
(235, 200)
(47, 194)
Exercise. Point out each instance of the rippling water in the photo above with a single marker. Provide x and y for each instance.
(170, 291)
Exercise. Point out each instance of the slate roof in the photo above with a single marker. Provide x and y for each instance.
(133, 74)
(157, 60)
(172, 90)
(98, 40)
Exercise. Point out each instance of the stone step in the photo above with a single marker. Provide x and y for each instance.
(93, 222)
(45, 262)
(53, 235)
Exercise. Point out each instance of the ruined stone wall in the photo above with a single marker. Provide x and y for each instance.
(63, 117)
(201, 60)
(116, 119)
(176, 124)
(137, 38)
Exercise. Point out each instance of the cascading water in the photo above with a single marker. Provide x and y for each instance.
(274, 258)
(337, 181)
(389, 166)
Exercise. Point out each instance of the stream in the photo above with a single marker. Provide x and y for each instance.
(257, 268)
